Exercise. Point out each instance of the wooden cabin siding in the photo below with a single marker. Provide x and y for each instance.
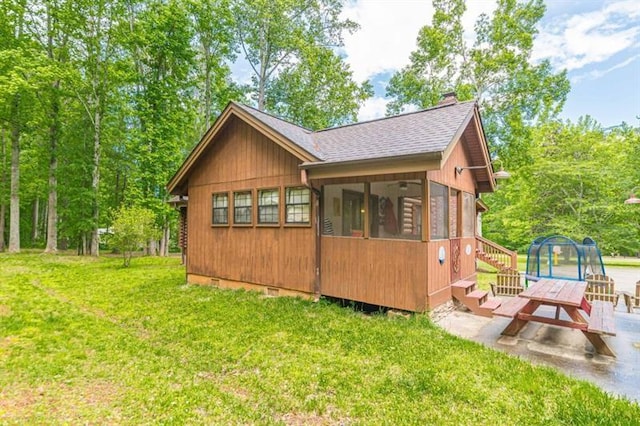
(390, 273)
(447, 175)
(467, 261)
(439, 274)
(241, 158)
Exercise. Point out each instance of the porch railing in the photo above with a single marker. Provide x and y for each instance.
(494, 254)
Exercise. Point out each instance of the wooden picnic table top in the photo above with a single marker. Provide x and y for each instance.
(558, 292)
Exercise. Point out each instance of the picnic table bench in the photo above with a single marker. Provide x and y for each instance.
(568, 296)
(601, 320)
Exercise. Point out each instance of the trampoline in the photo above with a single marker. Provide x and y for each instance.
(561, 257)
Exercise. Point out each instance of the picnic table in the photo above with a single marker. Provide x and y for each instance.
(592, 319)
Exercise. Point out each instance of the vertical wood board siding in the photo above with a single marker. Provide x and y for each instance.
(447, 175)
(389, 273)
(241, 158)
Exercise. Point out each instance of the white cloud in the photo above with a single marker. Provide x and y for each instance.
(387, 34)
(595, 74)
(372, 108)
(589, 38)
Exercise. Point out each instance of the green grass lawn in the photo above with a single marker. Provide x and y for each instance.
(87, 341)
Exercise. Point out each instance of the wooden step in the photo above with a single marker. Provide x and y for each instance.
(486, 309)
(460, 289)
(479, 296)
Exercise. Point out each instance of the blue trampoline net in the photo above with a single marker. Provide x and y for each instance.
(561, 257)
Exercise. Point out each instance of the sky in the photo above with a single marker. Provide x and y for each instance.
(597, 42)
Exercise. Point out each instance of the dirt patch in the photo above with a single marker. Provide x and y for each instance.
(61, 403)
(311, 419)
(5, 311)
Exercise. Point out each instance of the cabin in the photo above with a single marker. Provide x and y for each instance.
(381, 212)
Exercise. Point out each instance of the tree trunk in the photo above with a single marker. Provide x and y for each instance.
(52, 219)
(207, 88)
(36, 223)
(95, 181)
(3, 212)
(14, 207)
(164, 241)
(3, 187)
(261, 90)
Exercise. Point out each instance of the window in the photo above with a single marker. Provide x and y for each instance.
(220, 209)
(468, 215)
(438, 209)
(242, 207)
(298, 205)
(268, 206)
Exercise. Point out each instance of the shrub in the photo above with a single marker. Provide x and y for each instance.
(133, 228)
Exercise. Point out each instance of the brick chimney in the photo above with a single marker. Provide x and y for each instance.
(448, 98)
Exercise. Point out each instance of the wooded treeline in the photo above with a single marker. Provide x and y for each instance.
(101, 100)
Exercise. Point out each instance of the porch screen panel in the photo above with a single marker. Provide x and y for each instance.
(343, 210)
(439, 212)
(454, 213)
(396, 210)
(468, 214)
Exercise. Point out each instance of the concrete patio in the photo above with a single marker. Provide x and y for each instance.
(562, 348)
(566, 349)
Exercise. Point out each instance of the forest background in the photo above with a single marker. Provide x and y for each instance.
(100, 102)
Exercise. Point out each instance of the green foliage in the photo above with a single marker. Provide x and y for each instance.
(289, 46)
(86, 341)
(321, 75)
(496, 71)
(132, 229)
(575, 185)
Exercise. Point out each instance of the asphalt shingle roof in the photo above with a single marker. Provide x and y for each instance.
(420, 132)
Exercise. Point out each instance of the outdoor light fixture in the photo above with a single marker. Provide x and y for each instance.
(632, 198)
(501, 174)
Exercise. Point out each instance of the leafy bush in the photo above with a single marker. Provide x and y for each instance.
(133, 228)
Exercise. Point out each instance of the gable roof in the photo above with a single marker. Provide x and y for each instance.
(421, 133)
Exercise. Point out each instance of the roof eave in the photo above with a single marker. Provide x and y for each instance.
(374, 166)
(437, 155)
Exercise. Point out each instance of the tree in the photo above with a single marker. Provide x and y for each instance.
(161, 49)
(287, 42)
(215, 44)
(132, 229)
(320, 75)
(496, 70)
(19, 65)
(574, 186)
(96, 56)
